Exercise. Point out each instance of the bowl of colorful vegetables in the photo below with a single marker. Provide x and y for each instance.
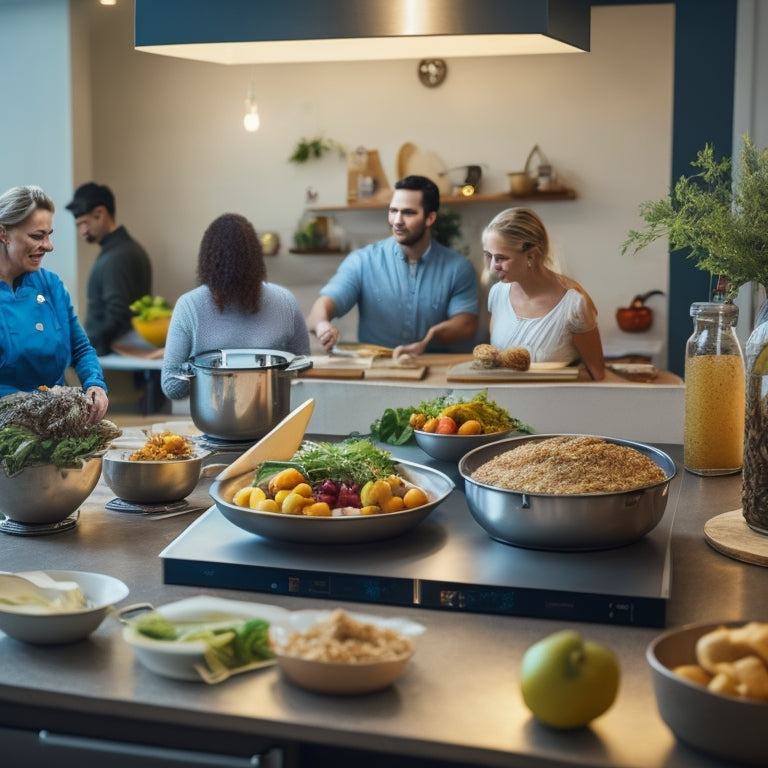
(332, 493)
(447, 427)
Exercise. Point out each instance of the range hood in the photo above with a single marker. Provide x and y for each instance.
(264, 31)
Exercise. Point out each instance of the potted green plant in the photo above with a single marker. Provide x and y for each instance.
(314, 149)
(722, 221)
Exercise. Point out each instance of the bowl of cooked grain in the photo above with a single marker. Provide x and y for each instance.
(567, 492)
(343, 653)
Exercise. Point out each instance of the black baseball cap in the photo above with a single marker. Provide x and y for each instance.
(89, 196)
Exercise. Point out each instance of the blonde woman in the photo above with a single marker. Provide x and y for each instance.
(532, 305)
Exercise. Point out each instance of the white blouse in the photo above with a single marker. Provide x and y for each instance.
(548, 338)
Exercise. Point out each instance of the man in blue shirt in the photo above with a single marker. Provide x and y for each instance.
(413, 294)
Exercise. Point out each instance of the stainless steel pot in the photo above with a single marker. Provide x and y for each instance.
(241, 394)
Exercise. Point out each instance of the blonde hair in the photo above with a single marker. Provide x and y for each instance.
(18, 203)
(521, 228)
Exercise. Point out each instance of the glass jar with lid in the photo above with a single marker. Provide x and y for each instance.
(714, 391)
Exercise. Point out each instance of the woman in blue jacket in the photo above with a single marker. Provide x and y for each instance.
(40, 334)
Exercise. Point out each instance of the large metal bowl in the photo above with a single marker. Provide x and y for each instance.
(333, 530)
(452, 447)
(151, 482)
(45, 494)
(726, 727)
(565, 522)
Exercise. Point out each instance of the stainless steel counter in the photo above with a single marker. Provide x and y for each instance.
(458, 701)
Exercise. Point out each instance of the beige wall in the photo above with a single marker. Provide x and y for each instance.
(167, 135)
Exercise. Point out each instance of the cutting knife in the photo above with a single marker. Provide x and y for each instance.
(280, 444)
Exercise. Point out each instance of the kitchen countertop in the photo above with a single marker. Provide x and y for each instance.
(458, 700)
(614, 407)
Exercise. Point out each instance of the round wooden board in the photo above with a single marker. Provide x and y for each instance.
(728, 533)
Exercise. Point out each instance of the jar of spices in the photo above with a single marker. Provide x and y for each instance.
(714, 392)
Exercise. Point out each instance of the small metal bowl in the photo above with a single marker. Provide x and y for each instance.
(565, 522)
(726, 727)
(45, 494)
(151, 482)
(452, 447)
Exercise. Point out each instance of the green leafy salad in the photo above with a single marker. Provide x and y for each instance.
(394, 425)
(229, 643)
(50, 426)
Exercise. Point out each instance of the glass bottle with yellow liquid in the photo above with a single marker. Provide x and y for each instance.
(714, 392)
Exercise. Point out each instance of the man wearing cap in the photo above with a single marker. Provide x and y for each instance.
(122, 272)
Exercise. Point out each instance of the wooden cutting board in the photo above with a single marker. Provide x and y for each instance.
(384, 368)
(369, 368)
(537, 372)
(729, 534)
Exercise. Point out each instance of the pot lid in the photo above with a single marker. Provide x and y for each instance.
(242, 359)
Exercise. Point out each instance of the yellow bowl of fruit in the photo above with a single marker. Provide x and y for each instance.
(153, 331)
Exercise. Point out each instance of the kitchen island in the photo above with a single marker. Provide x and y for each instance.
(458, 702)
(615, 407)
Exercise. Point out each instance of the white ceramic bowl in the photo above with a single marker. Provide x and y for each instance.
(178, 659)
(100, 590)
(453, 447)
(340, 678)
(730, 728)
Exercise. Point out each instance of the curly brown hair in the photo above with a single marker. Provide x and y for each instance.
(231, 263)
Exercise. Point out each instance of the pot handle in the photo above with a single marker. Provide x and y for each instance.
(300, 363)
(187, 372)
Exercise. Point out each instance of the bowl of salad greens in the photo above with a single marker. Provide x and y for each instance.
(341, 493)
(50, 453)
(203, 638)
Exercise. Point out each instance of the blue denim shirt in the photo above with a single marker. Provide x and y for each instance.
(397, 302)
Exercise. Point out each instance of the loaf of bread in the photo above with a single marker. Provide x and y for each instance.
(485, 356)
(516, 358)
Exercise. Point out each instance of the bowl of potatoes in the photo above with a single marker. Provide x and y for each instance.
(711, 687)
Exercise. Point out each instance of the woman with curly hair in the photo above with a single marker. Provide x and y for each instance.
(233, 305)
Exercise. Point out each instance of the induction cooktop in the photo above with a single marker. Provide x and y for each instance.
(447, 562)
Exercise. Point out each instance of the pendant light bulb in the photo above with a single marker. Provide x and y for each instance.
(251, 121)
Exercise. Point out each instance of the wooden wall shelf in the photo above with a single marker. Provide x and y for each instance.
(500, 197)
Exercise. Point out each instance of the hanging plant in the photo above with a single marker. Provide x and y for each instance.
(314, 149)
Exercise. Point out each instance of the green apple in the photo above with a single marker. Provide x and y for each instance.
(567, 681)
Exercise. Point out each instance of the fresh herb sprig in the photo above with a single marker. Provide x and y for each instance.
(356, 460)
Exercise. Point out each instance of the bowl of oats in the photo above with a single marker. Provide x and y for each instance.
(567, 492)
(343, 653)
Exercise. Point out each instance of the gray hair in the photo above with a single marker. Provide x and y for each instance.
(18, 203)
